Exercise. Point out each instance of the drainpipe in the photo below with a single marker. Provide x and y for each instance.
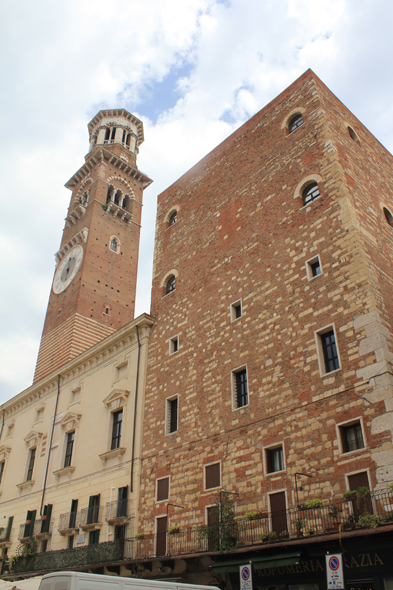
(135, 405)
(50, 444)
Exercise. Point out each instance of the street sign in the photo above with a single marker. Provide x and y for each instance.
(245, 577)
(334, 572)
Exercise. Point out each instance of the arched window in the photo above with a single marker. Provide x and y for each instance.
(295, 122)
(107, 134)
(170, 284)
(172, 218)
(352, 134)
(113, 244)
(310, 193)
(128, 139)
(117, 197)
(108, 195)
(113, 133)
(124, 136)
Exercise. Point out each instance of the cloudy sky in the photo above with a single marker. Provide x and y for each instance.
(192, 70)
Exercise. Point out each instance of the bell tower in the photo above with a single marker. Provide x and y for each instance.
(94, 285)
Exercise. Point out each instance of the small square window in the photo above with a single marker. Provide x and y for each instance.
(274, 459)
(212, 476)
(313, 267)
(327, 351)
(236, 310)
(162, 489)
(172, 407)
(39, 415)
(351, 437)
(239, 388)
(173, 344)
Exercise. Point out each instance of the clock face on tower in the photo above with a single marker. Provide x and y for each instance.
(67, 269)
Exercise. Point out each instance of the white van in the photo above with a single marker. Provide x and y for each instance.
(83, 581)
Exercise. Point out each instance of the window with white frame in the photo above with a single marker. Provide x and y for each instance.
(351, 436)
(313, 267)
(274, 459)
(173, 344)
(212, 476)
(327, 350)
(162, 492)
(236, 310)
(239, 387)
(172, 411)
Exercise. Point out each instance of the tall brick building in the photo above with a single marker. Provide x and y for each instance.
(226, 429)
(270, 364)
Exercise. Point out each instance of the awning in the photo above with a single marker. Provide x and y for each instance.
(259, 563)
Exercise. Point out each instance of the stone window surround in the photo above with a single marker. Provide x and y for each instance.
(289, 117)
(168, 413)
(118, 245)
(205, 489)
(172, 340)
(234, 387)
(339, 425)
(115, 401)
(321, 361)
(271, 447)
(308, 264)
(172, 210)
(302, 185)
(164, 281)
(232, 310)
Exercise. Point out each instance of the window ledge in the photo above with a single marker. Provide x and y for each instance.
(113, 453)
(273, 473)
(117, 520)
(63, 471)
(327, 375)
(25, 484)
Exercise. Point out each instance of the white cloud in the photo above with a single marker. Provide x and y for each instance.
(66, 60)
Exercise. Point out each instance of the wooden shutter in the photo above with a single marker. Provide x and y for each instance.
(162, 489)
(212, 475)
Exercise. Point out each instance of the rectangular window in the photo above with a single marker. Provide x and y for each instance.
(162, 489)
(93, 512)
(240, 388)
(173, 345)
(9, 527)
(274, 459)
(116, 429)
(171, 415)
(71, 542)
(74, 510)
(327, 350)
(313, 267)
(351, 437)
(45, 524)
(69, 447)
(31, 465)
(212, 476)
(122, 502)
(236, 310)
(2, 465)
(94, 537)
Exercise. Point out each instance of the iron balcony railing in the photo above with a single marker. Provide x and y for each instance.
(91, 515)
(374, 509)
(117, 510)
(5, 534)
(26, 530)
(69, 520)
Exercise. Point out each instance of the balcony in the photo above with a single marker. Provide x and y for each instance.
(5, 537)
(69, 523)
(43, 529)
(26, 531)
(116, 513)
(91, 518)
(66, 559)
(335, 517)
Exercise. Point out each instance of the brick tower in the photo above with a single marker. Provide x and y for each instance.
(271, 357)
(93, 291)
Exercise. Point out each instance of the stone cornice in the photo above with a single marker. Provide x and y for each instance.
(94, 356)
(96, 157)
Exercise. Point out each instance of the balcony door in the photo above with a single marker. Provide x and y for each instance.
(278, 509)
(161, 536)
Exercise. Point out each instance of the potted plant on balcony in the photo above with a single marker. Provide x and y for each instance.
(266, 537)
(140, 536)
(252, 515)
(310, 531)
(314, 503)
(174, 530)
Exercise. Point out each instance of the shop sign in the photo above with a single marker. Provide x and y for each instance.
(334, 572)
(245, 577)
